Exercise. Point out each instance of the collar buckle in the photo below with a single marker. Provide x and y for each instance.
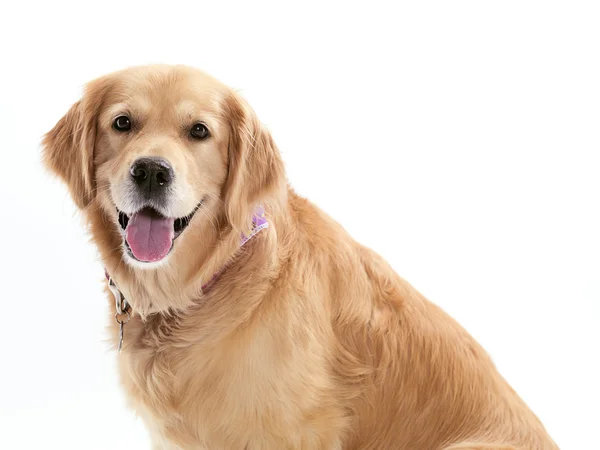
(122, 315)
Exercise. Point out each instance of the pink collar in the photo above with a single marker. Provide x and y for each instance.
(259, 222)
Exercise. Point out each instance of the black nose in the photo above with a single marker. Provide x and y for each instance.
(152, 174)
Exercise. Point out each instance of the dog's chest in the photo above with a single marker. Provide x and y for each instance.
(226, 394)
(182, 399)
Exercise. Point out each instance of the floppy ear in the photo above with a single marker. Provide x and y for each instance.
(255, 172)
(68, 149)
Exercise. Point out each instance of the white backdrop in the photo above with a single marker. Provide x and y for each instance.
(458, 139)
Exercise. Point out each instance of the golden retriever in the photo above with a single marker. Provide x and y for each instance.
(299, 339)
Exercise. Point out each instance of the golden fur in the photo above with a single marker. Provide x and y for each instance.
(308, 340)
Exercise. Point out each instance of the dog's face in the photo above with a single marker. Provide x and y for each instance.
(158, 150)
(161, 155)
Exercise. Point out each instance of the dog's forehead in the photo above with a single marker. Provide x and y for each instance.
(181, 90)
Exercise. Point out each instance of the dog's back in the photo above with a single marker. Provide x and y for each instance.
(412, 377)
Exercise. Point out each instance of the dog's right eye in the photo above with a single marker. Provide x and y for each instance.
(122, 123)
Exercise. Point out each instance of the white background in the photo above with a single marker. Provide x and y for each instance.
(458, 139)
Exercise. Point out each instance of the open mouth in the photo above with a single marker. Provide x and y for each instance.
(149, 235)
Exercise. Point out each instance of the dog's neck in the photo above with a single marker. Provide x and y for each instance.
(259, 222)
(172, 287)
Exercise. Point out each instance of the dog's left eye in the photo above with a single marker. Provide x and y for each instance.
(199, 131)
(122, 124)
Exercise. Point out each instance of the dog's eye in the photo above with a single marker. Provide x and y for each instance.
(199, 131)
(122, 123)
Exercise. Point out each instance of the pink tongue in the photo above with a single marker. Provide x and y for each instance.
(149, 235)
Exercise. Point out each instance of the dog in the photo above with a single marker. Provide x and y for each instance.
(246, 317)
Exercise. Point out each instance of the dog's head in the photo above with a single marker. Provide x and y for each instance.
(161, 149)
